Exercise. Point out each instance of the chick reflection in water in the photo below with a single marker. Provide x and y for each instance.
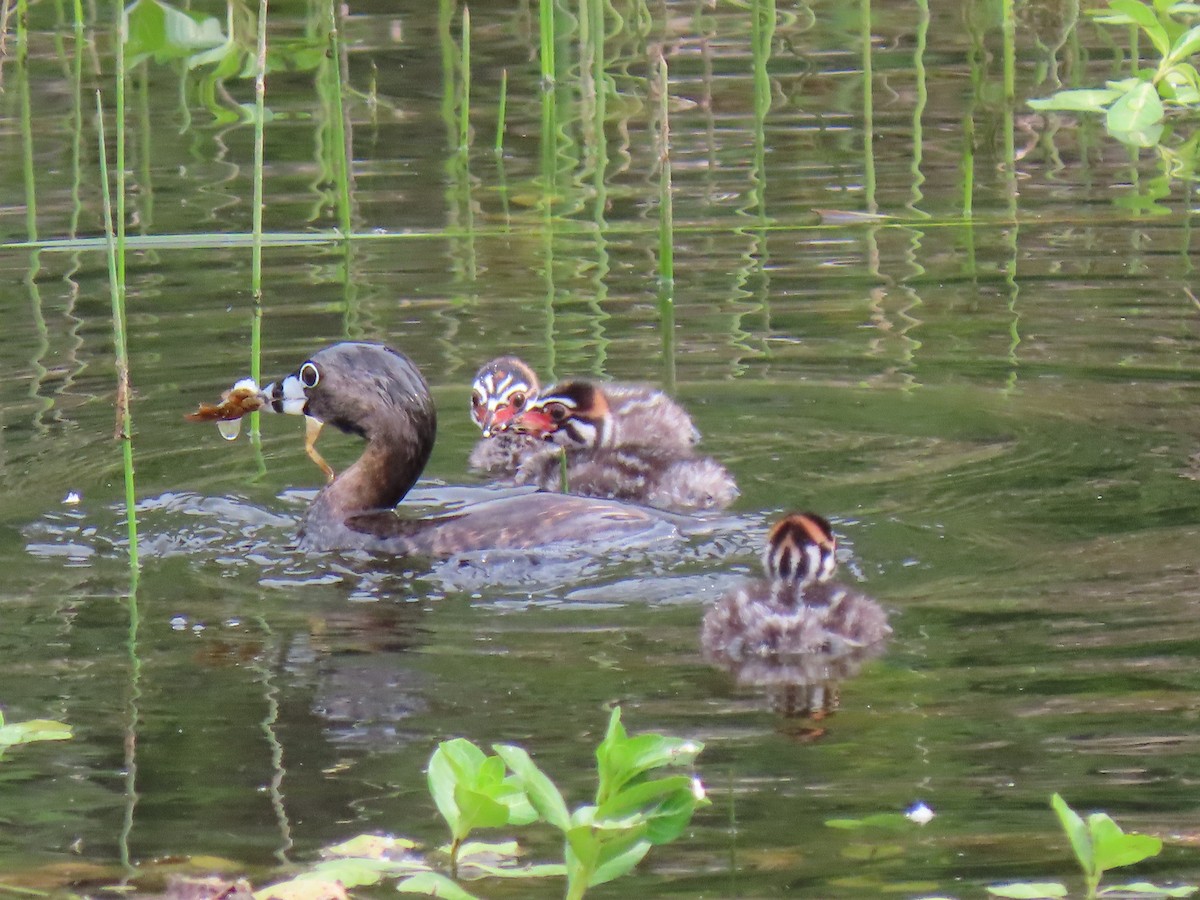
(796, 631)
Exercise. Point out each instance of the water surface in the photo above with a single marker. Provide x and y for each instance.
(958, 330)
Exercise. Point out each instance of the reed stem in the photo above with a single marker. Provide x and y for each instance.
(499, 148)
(122, 37)
(666, 214)
(260, 109)
(546, 33)
(464, 108)
(116, 290)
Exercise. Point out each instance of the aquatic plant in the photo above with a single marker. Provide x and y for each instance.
(602, 840)
(1134, 107)
(14, 733)
(472, 790)
(1099, 844)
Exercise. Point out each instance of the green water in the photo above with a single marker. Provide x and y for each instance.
(989, 388)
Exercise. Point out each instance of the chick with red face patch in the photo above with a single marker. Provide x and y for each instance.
(638, 459)
(501, 390)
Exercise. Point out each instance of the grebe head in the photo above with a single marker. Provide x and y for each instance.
(801, 548)
(573, 414)
(501, 391)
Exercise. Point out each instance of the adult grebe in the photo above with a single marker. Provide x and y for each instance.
(378, 393)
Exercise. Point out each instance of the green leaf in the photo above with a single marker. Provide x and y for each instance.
(671, 818)
(431, 884)
(1077, 833)
(464, 757)
(358, 872)
(1145, 887)
(888, 821)
(480, 858)
(441, 778)
(609, 748)
(1114, 848)
(585, 846)
(156, 29)
(1146, 20)
(512, 795)
(1138, 109)
(1187, 44)
(477, 810)
(1146, 137)
(643, 798)
(1028, 890)
(373, 846)
(1184, 8)
(34, 730)
(1090, 100)
(540, 790)
(617, 858)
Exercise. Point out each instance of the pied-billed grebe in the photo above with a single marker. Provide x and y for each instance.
(504, 387)
(378, 394)
(500, 391)
(608, 456)
(796, 609)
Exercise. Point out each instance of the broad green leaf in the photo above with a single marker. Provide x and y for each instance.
(464, 757)
(1148, 889)
(889, 821)
(618, 858)
(477, 810)
(477, 859)
(371, 846)
(671, 818)
(607, 753)
(627, 760)
(157, 29)
(1114, 848)
(512, 794)
(34, 730)
(1186, 8)
(1091, 100)
(1136, 110)
(431, 884)
(1145, 137)
(490, 773)
(643, 798)
(651, 751)
(1028, 890)
(540, 790)
(1187, 44)
(499, 849)
(585, 845)
(541, 870)
(441, 778)
(1077, 833)
(352, 872)
(1124, 85)
(215, 56)
(1146, 20)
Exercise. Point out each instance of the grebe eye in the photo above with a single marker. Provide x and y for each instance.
(557, 411)
(309, 376)
(517, 400)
